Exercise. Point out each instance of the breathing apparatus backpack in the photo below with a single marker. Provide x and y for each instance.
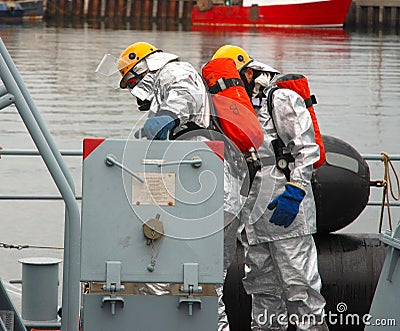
(232, 111)
(299, 84)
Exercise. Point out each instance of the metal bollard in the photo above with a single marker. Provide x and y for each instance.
(39, 288)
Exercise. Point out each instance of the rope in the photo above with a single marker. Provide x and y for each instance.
(387, 182)
(19, 247)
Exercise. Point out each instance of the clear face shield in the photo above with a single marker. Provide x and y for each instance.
(108, 71)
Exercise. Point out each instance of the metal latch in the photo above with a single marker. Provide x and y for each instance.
(190, 300)
(190, 286)
(113, 285)
(191, 278)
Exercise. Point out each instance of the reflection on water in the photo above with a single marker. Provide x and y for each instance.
(354, 75)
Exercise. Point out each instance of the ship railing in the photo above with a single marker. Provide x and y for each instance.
(15, 92)
(33, 153)
(78, 153)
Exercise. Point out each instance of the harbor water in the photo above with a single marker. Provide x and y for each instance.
(355, 76)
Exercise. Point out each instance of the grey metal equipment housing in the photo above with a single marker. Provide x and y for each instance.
(152, 235)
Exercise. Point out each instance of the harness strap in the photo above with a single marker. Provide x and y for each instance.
(224, 83)
(269, 101)
(258, 102)
(268, 160)
(312, 100)
(279, 144)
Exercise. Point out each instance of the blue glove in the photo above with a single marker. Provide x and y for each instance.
(286, 205)
(157, 127)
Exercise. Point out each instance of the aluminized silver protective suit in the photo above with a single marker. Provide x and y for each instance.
(281, 270)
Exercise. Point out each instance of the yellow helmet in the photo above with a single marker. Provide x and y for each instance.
(237, 54)
(132, 55)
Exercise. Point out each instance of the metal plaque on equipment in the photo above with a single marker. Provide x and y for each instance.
(157, 189)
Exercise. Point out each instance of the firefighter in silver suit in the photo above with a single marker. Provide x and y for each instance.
(279, 215)
(178, 106)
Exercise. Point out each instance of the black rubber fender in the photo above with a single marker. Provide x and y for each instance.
(341, 186)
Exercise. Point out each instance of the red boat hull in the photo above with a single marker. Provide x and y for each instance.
(330, 13)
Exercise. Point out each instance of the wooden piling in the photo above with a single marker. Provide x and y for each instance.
(162, 9)
(121, 8)
(50, 12)
(147, 7)
(374, 13)
(94, 9)
(110, 9)
(77, 9)
(60, 8)
(173, 8)
(187, 10)
(136, 9)
(393, 12)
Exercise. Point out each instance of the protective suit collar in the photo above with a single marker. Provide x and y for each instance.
(256, 65)
(144, 90)
(157, 60)
(141, 67)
